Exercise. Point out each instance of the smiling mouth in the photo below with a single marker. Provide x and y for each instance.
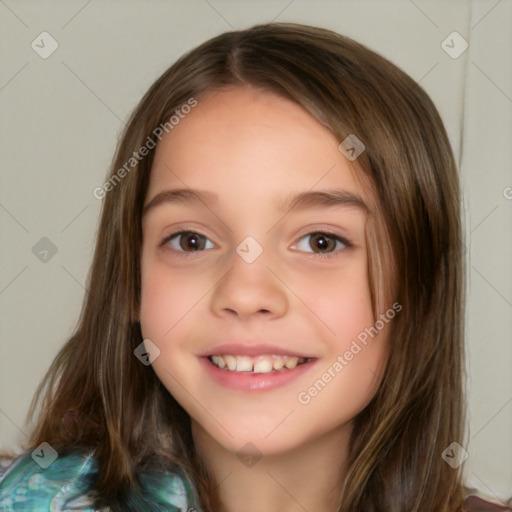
(258, 364)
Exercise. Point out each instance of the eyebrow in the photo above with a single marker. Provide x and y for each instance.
(323, 198)
(304, 200)
(181, 195)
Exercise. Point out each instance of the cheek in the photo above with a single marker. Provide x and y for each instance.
(348, 311)
(355, 358)
(157, 301)
(343, 304)
(166, 297)
(341, 300)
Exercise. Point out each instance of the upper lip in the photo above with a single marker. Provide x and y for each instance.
(246, 349)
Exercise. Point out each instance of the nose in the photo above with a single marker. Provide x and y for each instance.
(249, 290)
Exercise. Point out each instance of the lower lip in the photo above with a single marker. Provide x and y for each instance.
(254, 381)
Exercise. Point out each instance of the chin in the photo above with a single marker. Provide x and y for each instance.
(250, 440)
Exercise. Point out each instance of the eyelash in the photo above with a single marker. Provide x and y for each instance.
(347, 244)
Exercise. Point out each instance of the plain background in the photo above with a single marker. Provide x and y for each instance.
(61, 118)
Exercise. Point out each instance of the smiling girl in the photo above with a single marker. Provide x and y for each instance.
(274, 317)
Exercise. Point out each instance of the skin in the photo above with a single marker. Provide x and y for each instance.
(255, 149)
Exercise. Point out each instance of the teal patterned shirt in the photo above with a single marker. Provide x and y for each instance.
(66, 485)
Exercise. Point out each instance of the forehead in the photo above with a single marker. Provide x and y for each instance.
(246, 141)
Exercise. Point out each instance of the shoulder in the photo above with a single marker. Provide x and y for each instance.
(66, 484)
(474, 503)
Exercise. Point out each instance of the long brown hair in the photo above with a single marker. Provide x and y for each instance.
(415, 258)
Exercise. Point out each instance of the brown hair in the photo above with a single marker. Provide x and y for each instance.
(416, 260)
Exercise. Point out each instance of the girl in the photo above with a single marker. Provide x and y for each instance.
(274, 317)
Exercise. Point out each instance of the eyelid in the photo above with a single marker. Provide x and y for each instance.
(339, 238)
(182, 231)
(185, 227)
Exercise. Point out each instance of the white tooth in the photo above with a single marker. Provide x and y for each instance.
(264, 366)
(291, 362)
(278, 363)
(230, 362)
(244, 364)
(220, 362)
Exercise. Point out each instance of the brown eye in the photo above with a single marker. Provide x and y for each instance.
(188, 241)
(321, 243)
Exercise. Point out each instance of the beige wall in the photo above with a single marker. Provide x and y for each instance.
(61, 116)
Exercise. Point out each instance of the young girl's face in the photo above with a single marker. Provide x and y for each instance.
(271, 271)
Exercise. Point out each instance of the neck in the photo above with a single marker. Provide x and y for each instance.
(306, 478)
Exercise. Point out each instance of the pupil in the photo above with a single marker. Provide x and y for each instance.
(322, 242)
(192, 242)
